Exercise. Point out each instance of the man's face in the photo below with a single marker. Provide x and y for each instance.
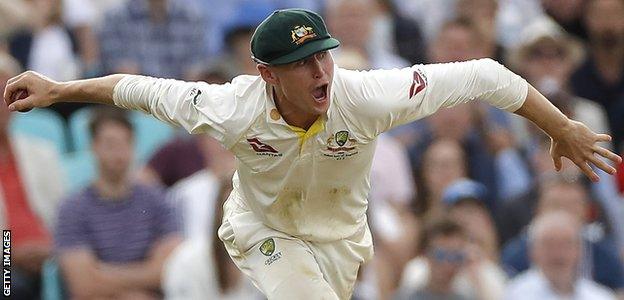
(605, 22)
(454, 43)
(347, 16)
(114, 150)
(547, 61)
(443, 163)
(446, 256)
(557, 251)
(571, 198)
(306, 84)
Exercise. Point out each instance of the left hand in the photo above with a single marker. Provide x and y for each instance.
(579, 144)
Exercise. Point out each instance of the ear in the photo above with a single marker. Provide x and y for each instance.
(268, 74)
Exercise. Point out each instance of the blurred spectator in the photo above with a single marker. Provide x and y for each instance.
(394, 33)
(202, 258)
(556, 250)
(443, 162)
(177, 159)
(450, 267)
(163, 38)
(13, 16)
(219, 15)
(482, 15)
(31, 185)
(546, 57)
(600, 259)
(193, 197)
(465, 203)
(510, 16)
(47, 47)
(393, 224)
(458, 40)
(490, 156)
(601, 76)
(113, 237)
(343, 16)
(568, 14)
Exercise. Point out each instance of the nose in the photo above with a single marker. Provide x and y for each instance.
(317, 69)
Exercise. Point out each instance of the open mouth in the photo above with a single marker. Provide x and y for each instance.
(320, 93)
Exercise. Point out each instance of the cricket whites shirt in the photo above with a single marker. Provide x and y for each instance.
(314, 184)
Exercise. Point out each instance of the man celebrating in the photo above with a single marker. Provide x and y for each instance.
(304, 134)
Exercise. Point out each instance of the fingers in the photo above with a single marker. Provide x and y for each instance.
(602, 165)
(11, 88)
(22, 105)
(607, 154)
(587, 170)
(557, 162)
(603, 137)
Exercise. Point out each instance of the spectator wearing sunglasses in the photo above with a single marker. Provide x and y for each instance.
(449, 266)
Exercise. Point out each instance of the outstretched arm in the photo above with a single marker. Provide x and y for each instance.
(198, 107)
(42, 91)
(569, 138)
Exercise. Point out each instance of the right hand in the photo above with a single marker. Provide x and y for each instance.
(42, 91)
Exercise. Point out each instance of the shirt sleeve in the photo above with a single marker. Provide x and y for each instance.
(196, 106)
(382, 99)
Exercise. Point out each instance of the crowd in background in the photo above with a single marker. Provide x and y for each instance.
(464, 204)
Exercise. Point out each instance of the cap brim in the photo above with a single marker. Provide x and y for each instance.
(307, 50)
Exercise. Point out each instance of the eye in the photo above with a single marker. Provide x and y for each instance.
(300, 63)
(321, 55)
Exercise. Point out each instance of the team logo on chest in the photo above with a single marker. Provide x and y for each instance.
(340, 145)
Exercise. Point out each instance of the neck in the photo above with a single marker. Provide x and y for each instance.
(439, 287)
(290, 113)
(563, 287)
(112, 189)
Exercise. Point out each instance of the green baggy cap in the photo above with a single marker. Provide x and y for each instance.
(290, 35)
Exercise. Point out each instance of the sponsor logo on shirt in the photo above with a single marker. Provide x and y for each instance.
(340, 146)
(418, 84)
(262, 148)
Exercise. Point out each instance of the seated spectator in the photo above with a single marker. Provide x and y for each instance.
(393, 224)
(464, 199)
(158, 38)
(343, 16)
(556, 250)
(113, 237)
(208, 271)
(568, 14)
(31, 185)
(546, 57)
(175, 160)
(600, 262)
(601, 77)
(450, 267)
(442, 163)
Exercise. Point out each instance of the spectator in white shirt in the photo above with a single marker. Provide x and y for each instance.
(555, 245)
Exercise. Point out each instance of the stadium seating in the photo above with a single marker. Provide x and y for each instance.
(80, 168)
(41, 123)
(149, 132)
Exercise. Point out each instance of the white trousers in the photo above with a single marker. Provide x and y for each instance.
(286, 267)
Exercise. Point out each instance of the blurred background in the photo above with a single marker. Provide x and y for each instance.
(464, 204)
